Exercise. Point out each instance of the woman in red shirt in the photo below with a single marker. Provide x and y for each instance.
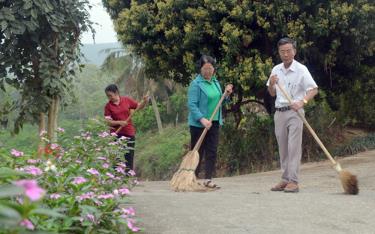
(116, 111)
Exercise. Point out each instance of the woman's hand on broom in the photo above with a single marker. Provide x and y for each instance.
(206, 123)
(123, 123)
(228, 89)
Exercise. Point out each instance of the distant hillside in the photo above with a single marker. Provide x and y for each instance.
(94, 53)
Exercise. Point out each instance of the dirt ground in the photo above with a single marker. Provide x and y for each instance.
(245, 204)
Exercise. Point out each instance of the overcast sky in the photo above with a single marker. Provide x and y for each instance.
(104, 27)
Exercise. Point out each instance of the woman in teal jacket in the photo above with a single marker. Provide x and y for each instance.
(203, 95)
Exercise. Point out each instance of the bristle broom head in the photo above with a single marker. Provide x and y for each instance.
(349, 182)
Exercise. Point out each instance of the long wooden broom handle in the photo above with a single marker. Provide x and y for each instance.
(308, 126)
(127, 119)
(200, 140)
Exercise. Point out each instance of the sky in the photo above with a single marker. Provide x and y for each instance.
(104, 27)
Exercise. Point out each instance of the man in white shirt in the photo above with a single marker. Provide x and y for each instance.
(296, 79)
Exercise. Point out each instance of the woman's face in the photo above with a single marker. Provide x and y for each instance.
(113, 97)
(207, 71)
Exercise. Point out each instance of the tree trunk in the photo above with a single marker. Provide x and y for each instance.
(157, 114)
(52, 119)
(42, 128)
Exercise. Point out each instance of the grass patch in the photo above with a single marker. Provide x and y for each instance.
(159, 155)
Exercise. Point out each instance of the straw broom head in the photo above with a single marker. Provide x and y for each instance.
(184, 179)
(349, 182)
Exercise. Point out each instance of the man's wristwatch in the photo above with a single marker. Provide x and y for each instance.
(304, 101)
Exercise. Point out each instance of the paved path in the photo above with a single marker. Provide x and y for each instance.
(245, 204)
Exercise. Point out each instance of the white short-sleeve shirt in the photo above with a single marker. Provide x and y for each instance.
(296, 81)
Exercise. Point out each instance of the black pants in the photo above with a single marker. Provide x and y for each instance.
(208, 149)
(129, 155)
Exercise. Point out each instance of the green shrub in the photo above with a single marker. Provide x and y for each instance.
(159, 155)
(83, 187)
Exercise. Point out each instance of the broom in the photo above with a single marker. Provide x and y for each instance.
(184, 179)
(349, 181)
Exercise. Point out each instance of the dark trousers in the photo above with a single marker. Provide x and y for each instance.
(208, 149)
(129, 155)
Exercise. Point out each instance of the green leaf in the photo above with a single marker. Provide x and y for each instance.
(8, 212)
(10, 191)
(4, 25)
(51, 213)
(6, 172)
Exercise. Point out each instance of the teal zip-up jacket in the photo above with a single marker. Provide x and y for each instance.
(197, 101)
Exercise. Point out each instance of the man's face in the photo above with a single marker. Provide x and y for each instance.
(287, 53)
(113, 97)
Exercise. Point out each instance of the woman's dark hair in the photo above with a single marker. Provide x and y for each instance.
(111, 88)
(287, 40)
(206, 59)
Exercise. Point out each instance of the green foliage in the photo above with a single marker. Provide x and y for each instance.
(335, 39)
(250, 148)
(89, 99)
(356, 105)
(96, 204)
(159, 155)
(358, 144)
(40, 51)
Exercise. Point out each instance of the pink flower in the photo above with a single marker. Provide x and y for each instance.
(32, 190)
(103, 134)
(33, 170)
(16, 153)
(110, 175)
(128, 211)
(98, 203)
(102, 158)
(131, 225)
(54, 146)
(85, 196)
(60, 129)
(93, 171)
(54, 196)
(78, 161)
(106, 196)
(32, 161)
(42, 133)
(124, 191)
(105, 165)
(113, 134)
(123, 138)
(123, 165)
(79, 180)
(131, 172)
(120, 170)
(27, 223)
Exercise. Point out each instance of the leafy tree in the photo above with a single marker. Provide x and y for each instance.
(335, 39)
(40, 54)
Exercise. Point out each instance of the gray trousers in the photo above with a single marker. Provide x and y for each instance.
(288, 130)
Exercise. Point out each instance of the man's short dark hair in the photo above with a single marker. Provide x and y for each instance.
(206, 59)
(287, 40)
(111, 88)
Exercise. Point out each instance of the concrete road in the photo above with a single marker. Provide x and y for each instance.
(245, 204)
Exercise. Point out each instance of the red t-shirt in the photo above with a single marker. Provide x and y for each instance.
(121, 112)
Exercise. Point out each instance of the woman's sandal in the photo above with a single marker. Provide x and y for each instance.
(210, 184)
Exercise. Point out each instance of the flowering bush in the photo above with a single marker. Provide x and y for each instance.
(79, 186)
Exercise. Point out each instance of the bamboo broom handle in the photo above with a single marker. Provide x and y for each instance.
(308, 126)
(200, 140)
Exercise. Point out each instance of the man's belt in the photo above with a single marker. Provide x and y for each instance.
(282, 109)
